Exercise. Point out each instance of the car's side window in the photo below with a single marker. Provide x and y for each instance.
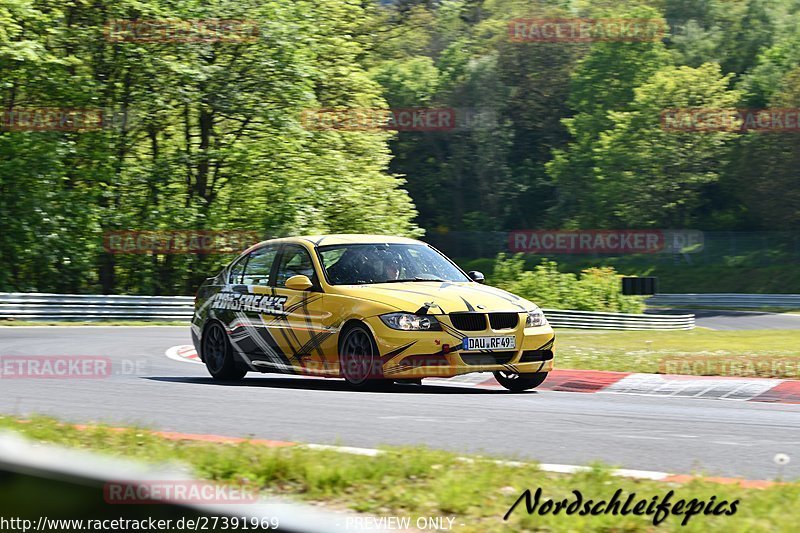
(259, 266)
(295, 261)
(235, 272)
(342, 265)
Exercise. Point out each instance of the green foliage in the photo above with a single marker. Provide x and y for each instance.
(197, 135)
(648, 177)
(578, 143)
(208, 135)
(594, 289)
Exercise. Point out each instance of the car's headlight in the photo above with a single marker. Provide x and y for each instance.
(535, 318)
(411, 322)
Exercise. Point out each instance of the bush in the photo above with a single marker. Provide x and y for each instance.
(595, 289)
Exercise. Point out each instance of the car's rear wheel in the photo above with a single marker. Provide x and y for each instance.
(519, 382)
(359, 360)
(218, 355)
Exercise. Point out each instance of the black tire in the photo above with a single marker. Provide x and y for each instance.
(217, 354)
(359, 359)
(520, 382)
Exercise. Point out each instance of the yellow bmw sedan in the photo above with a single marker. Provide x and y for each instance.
(367, 308)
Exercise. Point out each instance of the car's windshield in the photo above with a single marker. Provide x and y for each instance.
(352, 264)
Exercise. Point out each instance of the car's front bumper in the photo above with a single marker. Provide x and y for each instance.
(427, 354)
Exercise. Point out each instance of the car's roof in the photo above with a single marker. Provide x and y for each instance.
(347, 238)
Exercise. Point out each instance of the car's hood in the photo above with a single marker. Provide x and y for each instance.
(448, 297)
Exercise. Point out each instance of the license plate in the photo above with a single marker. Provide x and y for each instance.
(505, 342)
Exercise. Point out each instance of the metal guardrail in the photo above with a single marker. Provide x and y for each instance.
(789, 301)
(42, 306)
(559, 318)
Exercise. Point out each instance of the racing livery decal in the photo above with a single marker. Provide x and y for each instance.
(255, 303)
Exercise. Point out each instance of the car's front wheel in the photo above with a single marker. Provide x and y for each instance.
(520, 382)
(359, 360)
(218, 355)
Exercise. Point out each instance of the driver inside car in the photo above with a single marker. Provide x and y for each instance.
(391, 269)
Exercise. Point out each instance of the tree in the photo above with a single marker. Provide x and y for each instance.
(602, 83)
(763, 175)
(647, 176)
(199, 135)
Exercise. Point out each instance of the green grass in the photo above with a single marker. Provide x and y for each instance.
(418, 482)
(184, 323)
(647, 351)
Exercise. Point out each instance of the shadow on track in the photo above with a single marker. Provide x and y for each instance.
(335, 385)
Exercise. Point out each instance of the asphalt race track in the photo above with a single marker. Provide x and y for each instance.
(738, 320)
(676, 435)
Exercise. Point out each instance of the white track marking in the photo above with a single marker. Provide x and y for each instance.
(371, 452)
(545, 467)
(706, 388)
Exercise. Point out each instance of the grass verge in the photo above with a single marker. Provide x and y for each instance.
(749, 353)
(419, 482)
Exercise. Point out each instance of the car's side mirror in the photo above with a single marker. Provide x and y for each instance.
(476, 276)
(299, 283)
